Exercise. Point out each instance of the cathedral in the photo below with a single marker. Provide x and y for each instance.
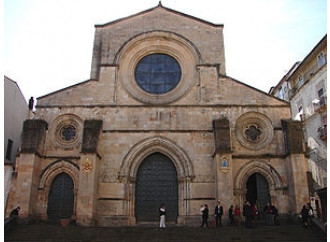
(158, 122)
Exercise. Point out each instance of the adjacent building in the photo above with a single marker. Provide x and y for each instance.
(305, 87)
(159, 121)
(15, 112)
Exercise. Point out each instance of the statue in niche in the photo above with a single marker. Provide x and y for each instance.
(225, 163)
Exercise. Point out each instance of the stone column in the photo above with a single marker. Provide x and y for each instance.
(89, 162)
(296, 165)
(223, 163)
(27, 166)
(87, 188)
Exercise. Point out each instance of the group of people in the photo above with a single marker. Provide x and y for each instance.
(271, 214)
(218, 212)
(250, 213)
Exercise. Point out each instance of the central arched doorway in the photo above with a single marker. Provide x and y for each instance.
(258, 190)
(156, 183)
(61, 197)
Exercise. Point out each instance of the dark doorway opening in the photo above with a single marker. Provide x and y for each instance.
(258, 191)
(61, 198)
(156, 183)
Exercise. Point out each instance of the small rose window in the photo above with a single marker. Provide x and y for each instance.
(68, 133)
(253, 133)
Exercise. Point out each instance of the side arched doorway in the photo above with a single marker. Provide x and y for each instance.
(156, 183)
(61, 197)
(257, 190)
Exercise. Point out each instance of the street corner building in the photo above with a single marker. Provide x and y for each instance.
(159, 121)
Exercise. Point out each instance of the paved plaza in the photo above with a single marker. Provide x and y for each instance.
(38, 231)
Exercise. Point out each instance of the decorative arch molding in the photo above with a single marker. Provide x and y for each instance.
(141, 150)
(156, 33)
(55, 168)
(272, 176)
(157, 42)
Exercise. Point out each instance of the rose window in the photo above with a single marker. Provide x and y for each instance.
(253, 133)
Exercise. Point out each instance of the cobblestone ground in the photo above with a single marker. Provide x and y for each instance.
(53, 232)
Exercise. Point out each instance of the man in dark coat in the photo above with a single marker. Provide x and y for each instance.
(205, 216)
(14, 212)
(218, 212)
(247, 213)
(304, 215)
(14, 215)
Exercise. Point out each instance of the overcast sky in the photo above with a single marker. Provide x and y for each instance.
(48, 43)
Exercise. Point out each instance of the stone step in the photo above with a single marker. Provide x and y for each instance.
(55, 232)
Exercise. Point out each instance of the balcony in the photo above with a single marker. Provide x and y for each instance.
(320, 106)
(322, 131)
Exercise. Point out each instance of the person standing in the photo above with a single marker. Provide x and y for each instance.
(247, 212)
(162, 214)
(275, 215)
(201, 209)
(205, 216)
(304, 216)
(231, 215)
(218, 212)
(254, 215)
(237, 214)
(14, 212)
(269, 214)
(310, 213)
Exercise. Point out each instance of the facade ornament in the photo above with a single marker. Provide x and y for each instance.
(87, 165)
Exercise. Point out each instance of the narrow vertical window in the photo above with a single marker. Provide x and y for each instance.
(9, 149)
(300, 81)
(320, 93)
(280, 93)
(320, 60)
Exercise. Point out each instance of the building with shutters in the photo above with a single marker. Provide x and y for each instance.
(159, 121)
(305, 87)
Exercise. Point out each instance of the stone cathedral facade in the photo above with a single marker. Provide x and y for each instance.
(157, 122)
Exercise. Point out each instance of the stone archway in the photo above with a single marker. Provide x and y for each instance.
(266, 170)
(48, 175)
(156, 184)
(141, 150)
(61, 198)
(179, 158)
(257, 191)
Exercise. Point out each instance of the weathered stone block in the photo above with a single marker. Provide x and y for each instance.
(294, 138)
(33, 135)
(92, 129)
(221, 131)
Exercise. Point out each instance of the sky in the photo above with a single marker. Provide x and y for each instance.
(48, 43)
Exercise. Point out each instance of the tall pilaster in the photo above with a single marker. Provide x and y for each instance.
(27, 165)
(223, 163)
(89, 163)
(296, 164)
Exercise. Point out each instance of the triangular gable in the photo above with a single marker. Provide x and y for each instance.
(258, 92)
(160, 7)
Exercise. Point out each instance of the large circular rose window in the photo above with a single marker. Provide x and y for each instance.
(157, 73)
(157, 67)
